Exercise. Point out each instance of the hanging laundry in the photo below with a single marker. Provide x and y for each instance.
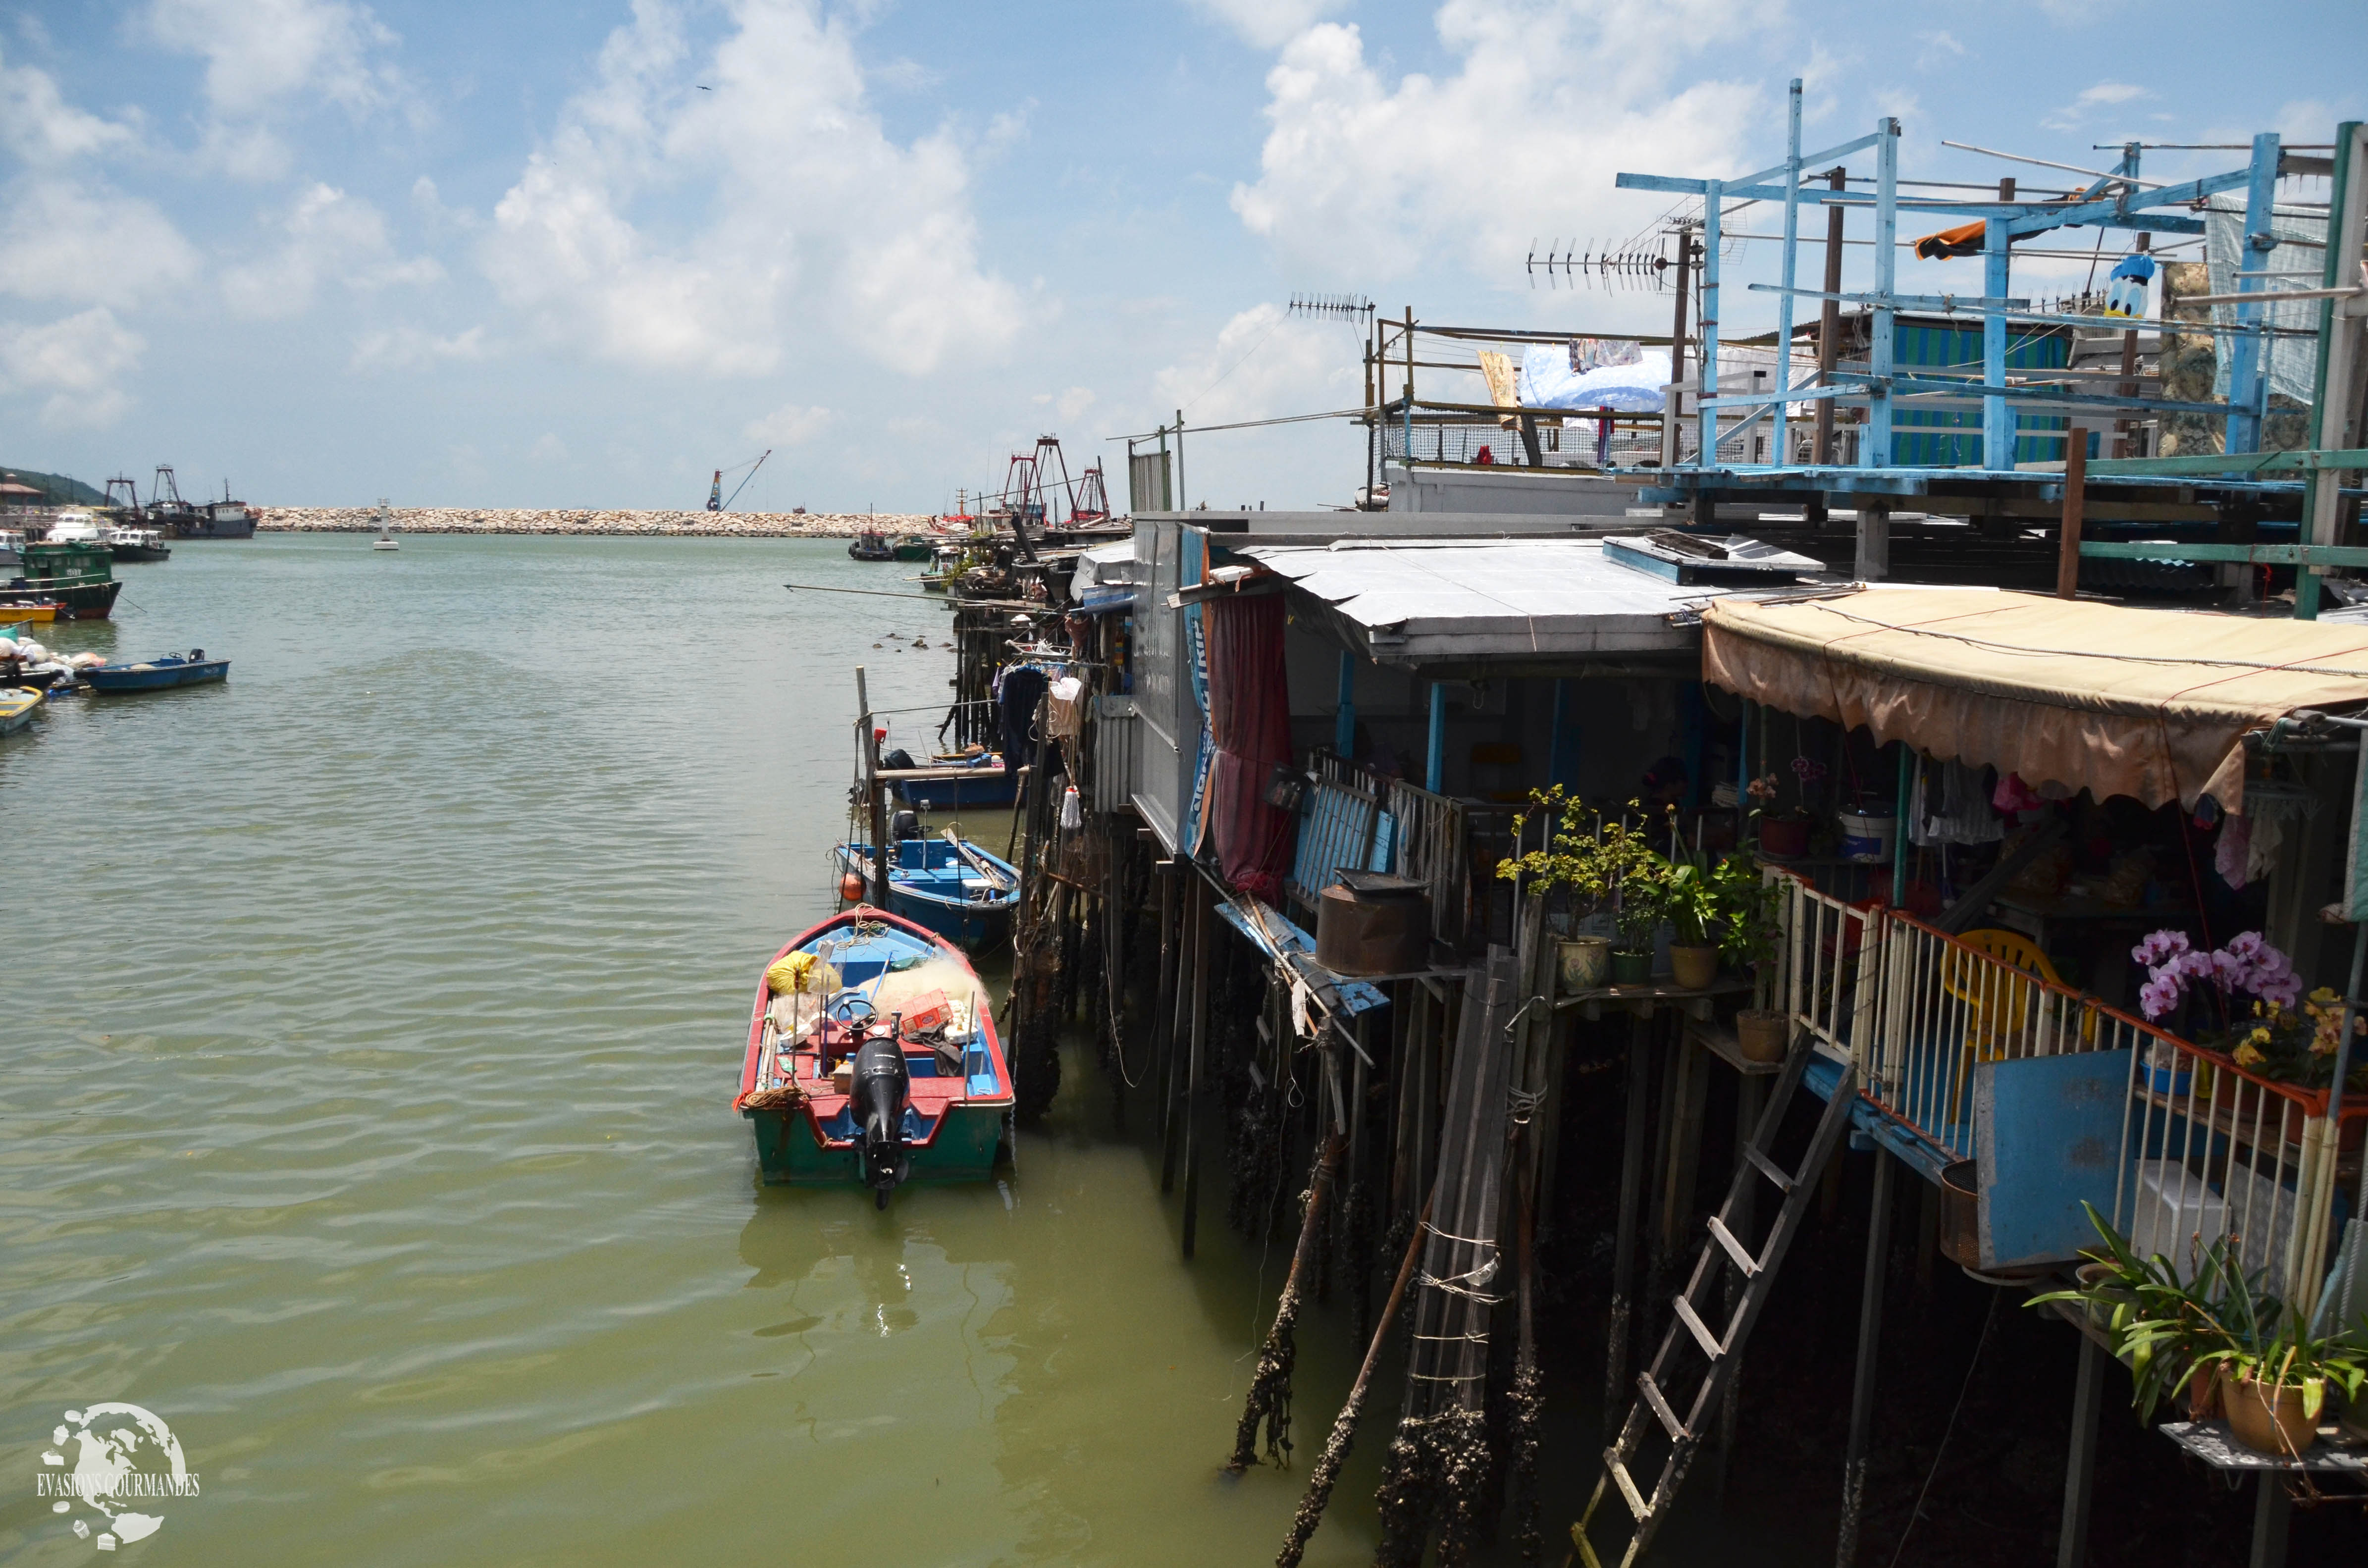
(1966, 239)
(1961, 815)
(2231, 857)
(2125, 286)
(2014, 795)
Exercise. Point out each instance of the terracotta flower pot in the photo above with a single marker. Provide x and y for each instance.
(1694, 968)
(2203, 1393)
(1784, 836)
(2267, 1421)
(1583, 962)
(1762, 1035)
(1632, 969)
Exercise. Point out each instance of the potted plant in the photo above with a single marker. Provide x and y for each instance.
(2219, 1331)
(1692, 910)
(1571, 863)
(1782, 834)
(1748, 907)
(2245, 1001)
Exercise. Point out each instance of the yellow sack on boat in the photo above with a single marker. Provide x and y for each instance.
(801, 971)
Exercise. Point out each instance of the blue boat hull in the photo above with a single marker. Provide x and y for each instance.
(926, 886)
(992, 787)
(160, 677)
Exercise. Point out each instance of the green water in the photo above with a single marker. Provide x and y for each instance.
(369, 1029)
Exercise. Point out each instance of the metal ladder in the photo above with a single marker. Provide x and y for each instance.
(1687, 1331)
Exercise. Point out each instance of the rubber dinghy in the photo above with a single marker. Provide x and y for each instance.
(872, 1059)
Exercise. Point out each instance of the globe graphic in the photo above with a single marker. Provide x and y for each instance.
(126, 1459)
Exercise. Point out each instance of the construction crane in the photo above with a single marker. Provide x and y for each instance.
(716, 500)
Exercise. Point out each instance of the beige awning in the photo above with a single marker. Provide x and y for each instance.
(2152, 704)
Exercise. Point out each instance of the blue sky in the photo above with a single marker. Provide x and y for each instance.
(580, 253)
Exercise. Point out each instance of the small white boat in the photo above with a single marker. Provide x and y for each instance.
(385, 540)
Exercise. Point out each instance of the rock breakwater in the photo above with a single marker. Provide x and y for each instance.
(687, 525)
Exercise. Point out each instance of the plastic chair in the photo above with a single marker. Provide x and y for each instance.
(2002, 1007)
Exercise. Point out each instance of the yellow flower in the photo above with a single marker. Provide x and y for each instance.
(2258, 1036)
(2323, 994)
(2249, 1057)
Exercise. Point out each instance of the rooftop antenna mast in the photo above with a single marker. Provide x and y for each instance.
(1354, 309)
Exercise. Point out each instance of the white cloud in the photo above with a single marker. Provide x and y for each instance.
(267, 60)
(1264, 24)
(1550, 101)
(86, 244)
(407, 348)
(1075, 400)
(260, 54)
(1939, 48)
(2104, 95)
(548, 449)
(327, 236)
(1265, 362)
(78, 361)
(790, 425)
(39, 127)
(822, 218)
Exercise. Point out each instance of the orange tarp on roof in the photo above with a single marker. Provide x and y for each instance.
(2152, 704)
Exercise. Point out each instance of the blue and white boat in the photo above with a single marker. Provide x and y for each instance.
(952, 887)
(192, 668)
(950, 786)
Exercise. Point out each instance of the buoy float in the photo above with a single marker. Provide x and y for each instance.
(850, 888)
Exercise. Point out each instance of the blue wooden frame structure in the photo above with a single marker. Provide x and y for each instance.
(2118, 199)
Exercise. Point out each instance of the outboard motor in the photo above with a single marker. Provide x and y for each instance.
(905, 824)
(882, 1086)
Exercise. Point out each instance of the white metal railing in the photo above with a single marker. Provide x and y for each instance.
(2210, 1149)
(1828, 979)
(2207, 1149)
(1952, 1002)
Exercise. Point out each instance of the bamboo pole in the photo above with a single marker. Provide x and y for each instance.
(1344, 1425)
(1270, 1396)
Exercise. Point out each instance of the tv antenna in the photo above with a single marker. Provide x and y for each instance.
(1352, 307)
(1616, 269)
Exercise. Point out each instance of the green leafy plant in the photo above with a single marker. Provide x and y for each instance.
(1601, 860)
(1690, 904)
(1749, 909)
(2168, 1329)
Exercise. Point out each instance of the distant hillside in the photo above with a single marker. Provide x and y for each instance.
(71, 492)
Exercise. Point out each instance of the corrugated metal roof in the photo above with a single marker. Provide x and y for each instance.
(1422, 601)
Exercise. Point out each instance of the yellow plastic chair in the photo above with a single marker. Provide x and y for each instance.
(2002, 1008)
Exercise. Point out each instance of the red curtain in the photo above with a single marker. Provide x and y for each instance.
(1249, 720)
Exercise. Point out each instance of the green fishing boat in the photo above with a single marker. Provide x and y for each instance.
(871, 1059)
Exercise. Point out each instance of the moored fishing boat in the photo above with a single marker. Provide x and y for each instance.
(954, 888)
(912, 547)
(18, 706)
(871, 1058)
(870, 545)
(126, 542)
(192, 668)
(946, 786)
(78, 576)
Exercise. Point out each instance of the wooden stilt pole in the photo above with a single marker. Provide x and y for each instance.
(1623, 1257)
(2080, 1463)
(1270, 1396)
(1193, 1067)
(1344, 1425)
(2067, 544)
(1187, 955)
(1870, 1337)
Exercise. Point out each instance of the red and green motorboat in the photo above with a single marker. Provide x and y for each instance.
(872, 1059)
